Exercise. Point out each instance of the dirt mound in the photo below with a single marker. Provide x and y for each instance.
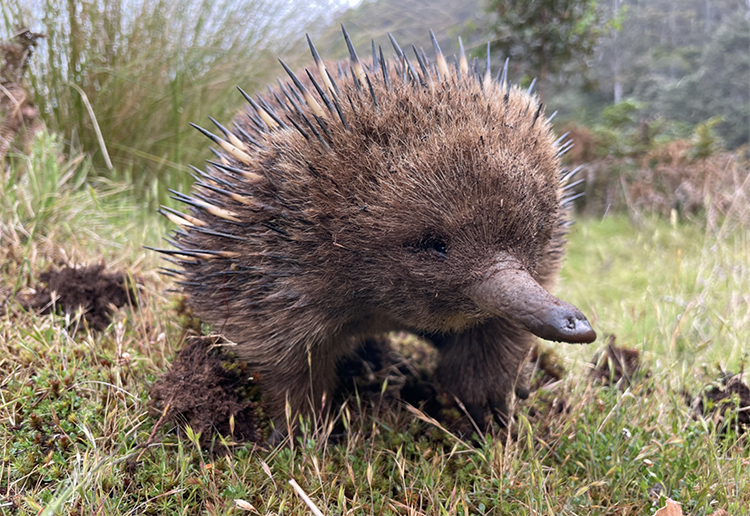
(210, 391)
(615, 364)
(98, 293)
(727, 405)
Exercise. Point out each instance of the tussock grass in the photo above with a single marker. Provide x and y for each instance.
(76, 438)
(48, 197)
(147, 68)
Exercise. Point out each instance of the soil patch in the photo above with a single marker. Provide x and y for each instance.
(92, 289)
(727, 405)
(210, 391)
(615, 364)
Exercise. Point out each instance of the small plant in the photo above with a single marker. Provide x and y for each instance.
(46, 193)
(655, 165)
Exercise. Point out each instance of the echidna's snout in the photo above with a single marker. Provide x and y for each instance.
(510, 292)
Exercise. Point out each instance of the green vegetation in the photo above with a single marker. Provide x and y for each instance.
(552, 37)
(36, 185)
(77, 439)
(658, 260)
(654, 166)
(147, 69)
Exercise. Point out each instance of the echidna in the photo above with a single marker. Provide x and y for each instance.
(426, 198)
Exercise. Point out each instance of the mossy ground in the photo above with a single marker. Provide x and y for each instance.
(77, 437)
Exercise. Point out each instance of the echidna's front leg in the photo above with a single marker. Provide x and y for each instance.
(480, 366)
(304, 381)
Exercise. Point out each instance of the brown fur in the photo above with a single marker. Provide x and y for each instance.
(342, 241)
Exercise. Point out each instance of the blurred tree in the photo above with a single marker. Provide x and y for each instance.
(546, 37)
(720, 87)
(655, 41)
(688, 59)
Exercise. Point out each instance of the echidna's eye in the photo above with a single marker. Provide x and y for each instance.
(434, 244)
(429, 243)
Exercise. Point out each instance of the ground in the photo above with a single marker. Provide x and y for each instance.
(647, 412)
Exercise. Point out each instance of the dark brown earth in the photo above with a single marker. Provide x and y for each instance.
(205, 389)
(67, 290)
(615, 364)
(728, 404)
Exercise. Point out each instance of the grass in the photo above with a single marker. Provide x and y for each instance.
(77, 439)
(147, 68)
(669, 289)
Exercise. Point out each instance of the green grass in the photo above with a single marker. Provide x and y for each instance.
(669, 289)
(147, 68)
(77, 439)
